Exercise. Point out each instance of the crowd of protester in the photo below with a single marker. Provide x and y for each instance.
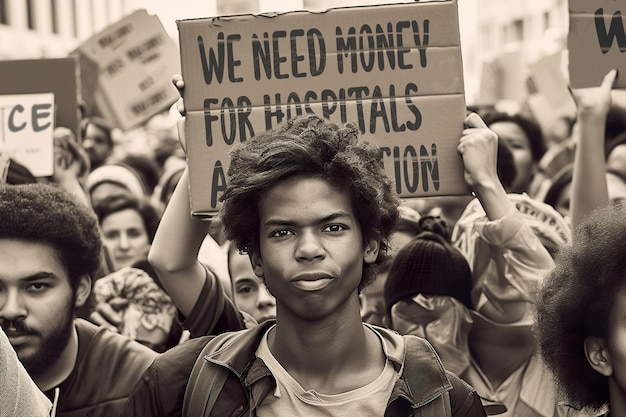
(110, 289)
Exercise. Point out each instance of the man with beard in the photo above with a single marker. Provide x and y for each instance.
(49, 248)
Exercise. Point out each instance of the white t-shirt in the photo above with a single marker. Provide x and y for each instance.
(290, 399)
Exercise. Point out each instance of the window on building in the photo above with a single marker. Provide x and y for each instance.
(92, 15)
(30, 15)
(226, 7)
(4, 12)
(546, 20)
(54, 16)
(75, 18)
(518, 30)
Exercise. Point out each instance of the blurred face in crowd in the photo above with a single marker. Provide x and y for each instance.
(37, 302)
(250, 294)
(520, 146)
(97, 145)
(125, 236)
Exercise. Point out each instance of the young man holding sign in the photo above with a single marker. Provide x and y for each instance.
(313, 208)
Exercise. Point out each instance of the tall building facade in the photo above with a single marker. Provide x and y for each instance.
(32, 29)
(511, 35)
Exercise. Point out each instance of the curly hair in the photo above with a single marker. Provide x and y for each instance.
(575, 302)
(48, 214)
(310, 146)
(119, 202)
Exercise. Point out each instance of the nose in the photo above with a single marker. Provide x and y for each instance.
(265, 299)
(123, 242)
(309, 247)
(88, 143)
(12, 307)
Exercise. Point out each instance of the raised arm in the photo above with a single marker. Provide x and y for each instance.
(174, 251)
(479, 149)
(589, 190)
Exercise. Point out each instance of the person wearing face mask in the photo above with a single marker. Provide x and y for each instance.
(427, 293)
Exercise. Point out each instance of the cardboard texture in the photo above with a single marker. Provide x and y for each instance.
(394, 70)
(596, 41)
(127, 70)
(27, 131)
(58, 76)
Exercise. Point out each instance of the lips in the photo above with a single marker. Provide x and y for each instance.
(312, 281)
(17, 338)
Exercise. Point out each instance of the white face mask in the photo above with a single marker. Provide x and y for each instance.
(442, 320)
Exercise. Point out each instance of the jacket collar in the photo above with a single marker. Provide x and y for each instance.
(420, 381)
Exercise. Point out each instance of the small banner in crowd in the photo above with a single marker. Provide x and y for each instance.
(27, 131)
(393, 70)
(596, 42)
(127, 70)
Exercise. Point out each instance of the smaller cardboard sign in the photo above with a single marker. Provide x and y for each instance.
(59, 76)
(27, 131)
(548, 78)
(127, 70)
(393, 70)
(596, 42)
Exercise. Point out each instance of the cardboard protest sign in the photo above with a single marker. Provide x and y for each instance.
(596, 42)
(59, 76)
(393, 70)
(127, 70)
(27, 131)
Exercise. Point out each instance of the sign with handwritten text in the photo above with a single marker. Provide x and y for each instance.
(394, 70)
(27, 131)
(596, 42)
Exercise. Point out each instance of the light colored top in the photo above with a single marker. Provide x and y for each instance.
(291, 399)
(19, 396)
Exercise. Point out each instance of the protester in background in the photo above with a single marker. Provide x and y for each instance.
(130, 299)
(582, 305)
(250, 294)
(313, 208)
(112, 180)
(19, 396)
(97, 141)
(580, 315)
(50, 248)
(428, 293)
(507, 240)
(128, 227)
(525, 140)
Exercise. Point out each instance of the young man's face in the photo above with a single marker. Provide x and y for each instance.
(311, 249)
(36, 302)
